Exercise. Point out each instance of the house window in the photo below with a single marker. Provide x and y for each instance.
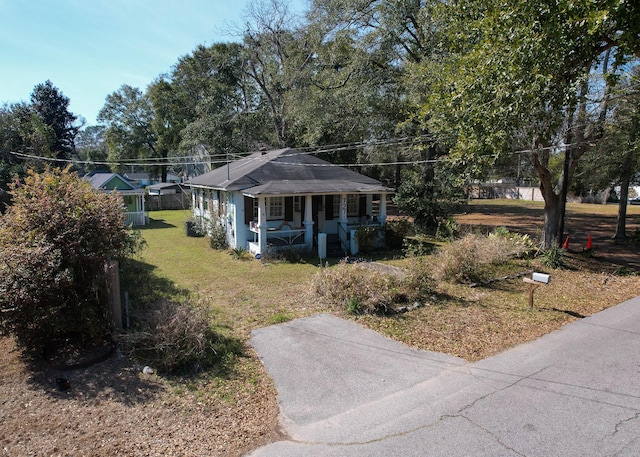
(275, 209)
(352, 205)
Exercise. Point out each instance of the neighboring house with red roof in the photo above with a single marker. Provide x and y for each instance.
(286, 199)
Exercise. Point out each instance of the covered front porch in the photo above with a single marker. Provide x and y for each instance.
(306, 222)
(135, 214)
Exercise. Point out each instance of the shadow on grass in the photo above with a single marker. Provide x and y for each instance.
(156, 224)
(144, 287)
(565, 311)
(110, 375)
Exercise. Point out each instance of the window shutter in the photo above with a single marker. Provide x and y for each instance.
(288, 208)
(328, 207)
(362, 207)
(248, 209)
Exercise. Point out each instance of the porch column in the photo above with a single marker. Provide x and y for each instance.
(144, 219)
(308, 222)
(262, 225)
(343, 221)
(382, 210)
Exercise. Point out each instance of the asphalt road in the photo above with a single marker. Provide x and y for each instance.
(347, 391)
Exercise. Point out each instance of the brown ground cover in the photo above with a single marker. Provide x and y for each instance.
(582, 220)
(112, 408)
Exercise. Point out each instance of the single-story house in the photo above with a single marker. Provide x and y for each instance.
(145, 179)
(164, 188)
(286, 199)
(133, 198)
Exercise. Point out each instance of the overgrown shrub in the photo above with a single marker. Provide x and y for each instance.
(418, 245)
(419, 284)
(514, 245)
(554, 257)
(174, 337)
(368, 237)
(465, 259)
(217, 235)
(447, 229)
(396, 230)
(361, 289)
(431, 194)
(54, 242)
(355, 288)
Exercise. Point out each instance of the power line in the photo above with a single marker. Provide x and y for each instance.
(405, 143)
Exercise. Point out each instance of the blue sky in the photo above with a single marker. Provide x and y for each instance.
(89, 48)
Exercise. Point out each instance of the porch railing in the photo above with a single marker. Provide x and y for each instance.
(282, 236)
(135, 218)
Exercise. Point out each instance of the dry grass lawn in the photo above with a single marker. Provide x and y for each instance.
(114, 409)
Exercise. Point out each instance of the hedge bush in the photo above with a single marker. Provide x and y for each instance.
(54, 242)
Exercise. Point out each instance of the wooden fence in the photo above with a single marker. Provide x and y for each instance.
(170, 201)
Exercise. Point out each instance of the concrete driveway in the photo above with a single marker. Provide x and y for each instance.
(347, 391)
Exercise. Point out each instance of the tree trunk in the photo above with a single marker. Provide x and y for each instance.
(552, 201)
(552, 220)
(621, 225)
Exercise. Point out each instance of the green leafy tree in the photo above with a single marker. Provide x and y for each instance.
(431, 193)
(23, 136)
(128, 115)
(355, 85)
(52, 107)
(92, 148)
(616, 159)
(517, 74)
(54, 241)
(226, 116)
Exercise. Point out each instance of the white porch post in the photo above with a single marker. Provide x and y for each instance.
(308, 222)
(262, 225)
(343, 220)
(382, 210)
(144, 219)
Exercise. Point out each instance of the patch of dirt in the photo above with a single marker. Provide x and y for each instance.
(581, 221)
(111, 408)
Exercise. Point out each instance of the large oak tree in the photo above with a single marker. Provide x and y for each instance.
(518, 75)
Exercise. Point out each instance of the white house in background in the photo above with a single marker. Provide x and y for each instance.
(283, 199)
(133, 198)
(144, 179)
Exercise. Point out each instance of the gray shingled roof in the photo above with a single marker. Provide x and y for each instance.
(99, 180)
(287, 171)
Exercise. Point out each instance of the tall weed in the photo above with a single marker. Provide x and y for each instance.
(465, 259)
(361, 289)
(174, 337)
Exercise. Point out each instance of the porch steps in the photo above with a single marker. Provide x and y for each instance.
(335, 251)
